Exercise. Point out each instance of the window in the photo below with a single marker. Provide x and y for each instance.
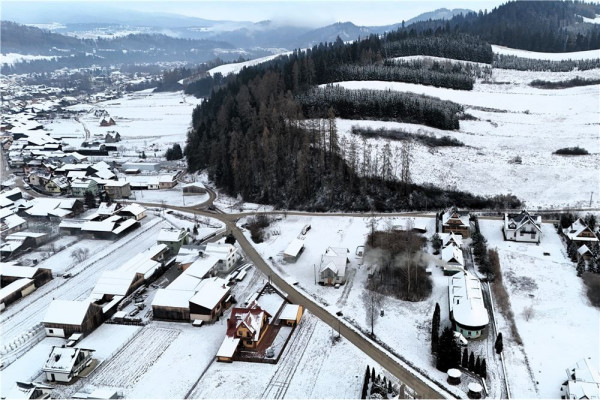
(50, 330)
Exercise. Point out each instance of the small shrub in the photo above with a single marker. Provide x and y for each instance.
(592, 282)
(572, 151)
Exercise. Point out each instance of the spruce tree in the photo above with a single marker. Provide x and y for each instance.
(483, 369)
(477, 369)
(465, 359)
(580, 266)
(435, 328)
(373, 375)
(498, 345)
(447, 350)
(89, 199)
(472, 362)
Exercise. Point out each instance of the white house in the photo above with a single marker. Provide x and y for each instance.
(583, 381)
(65, 363)
(467, 309)
(227, 253)
(333, 266)
(453, 259)
(522, 227)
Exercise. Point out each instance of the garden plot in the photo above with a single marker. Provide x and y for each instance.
(145, 349)
(569, 326)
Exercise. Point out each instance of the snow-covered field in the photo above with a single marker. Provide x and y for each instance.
(513, 119)
(13, 58)
(564, 327)
(146, 121)
(234, 68)
(173, 197)
(575, 55)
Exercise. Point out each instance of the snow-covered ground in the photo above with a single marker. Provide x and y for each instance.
(146, 121)
(13, 58)
(513, 119)
(576, 55)
(234, 68)
(173, 197)
(564, 327)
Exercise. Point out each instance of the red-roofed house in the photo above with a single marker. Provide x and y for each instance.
(248, 324)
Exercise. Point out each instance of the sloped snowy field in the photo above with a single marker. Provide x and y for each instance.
(513, 120)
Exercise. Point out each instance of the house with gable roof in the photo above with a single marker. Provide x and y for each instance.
(456, 222)
(248, 324)
(65, 363)
(580, 233)
(333, 266)
(522, 227)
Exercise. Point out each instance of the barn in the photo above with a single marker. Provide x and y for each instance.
(66, 317)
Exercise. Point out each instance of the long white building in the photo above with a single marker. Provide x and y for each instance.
(467, 309)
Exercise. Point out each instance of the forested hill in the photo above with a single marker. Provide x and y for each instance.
(546, 26)
(269, 134)
(16, 38)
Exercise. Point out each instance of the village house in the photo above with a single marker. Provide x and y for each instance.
(467, 310)
(66, 317)
(333, 266)
(57, 185)
(30, 390)
(585, 253)
(107, 122)
(132, 211)
(11, 223)
(454, 221)
(291, 314)
(453, 259)
(580, 234)
(583, 381)
(211, 299)
(39, 178)
(80, 186)
(227, 254)
(451, 239)
(173, 238)
(522, 227)
(65, 363)
(117, 189)
(248, 324)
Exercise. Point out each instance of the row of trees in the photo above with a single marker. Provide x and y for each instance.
(504, 61)
(400, 134)
(378, 104)
(397, 73)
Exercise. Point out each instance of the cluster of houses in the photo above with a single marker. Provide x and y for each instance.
(198, 294)
(582, 237)
(583, 381)
(67, 317)
(110, 221)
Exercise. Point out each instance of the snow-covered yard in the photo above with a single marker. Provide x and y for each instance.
(563, 327)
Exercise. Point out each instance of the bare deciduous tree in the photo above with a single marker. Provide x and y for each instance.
(373, 301)
(528, 313)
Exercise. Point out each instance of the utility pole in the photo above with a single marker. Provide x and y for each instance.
(315, 272)
(591, 199)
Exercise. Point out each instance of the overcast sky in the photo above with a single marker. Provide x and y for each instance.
(302, 12)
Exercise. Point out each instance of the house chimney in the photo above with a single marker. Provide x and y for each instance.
(56, 357)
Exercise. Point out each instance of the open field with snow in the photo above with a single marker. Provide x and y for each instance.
(234, 68)
(564, 327)
(512, 120)
(575, 55)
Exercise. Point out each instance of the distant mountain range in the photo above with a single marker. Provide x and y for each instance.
(238, 34)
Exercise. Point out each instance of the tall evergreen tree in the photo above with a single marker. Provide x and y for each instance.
(580, 266)
(435, 328)
(89, 199)
(498, 345)
(477, 369)
(472, 362)
(483, 369)
(465, 359)
(447, 351)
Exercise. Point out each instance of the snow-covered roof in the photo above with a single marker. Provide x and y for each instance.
(62, 359)
(583, 381)
(171, 235)
(194, 184)
(220, 249)
(453, 255)
(106, 209)
(172, 298)
(289, 312)
(123, 225)
(5, 202)
(583, 250)
(13, 287)
(228, 347)
(143, 263)
(521, 219)
(23, 234)
(134, 209)
(98, 226)
(335, 259)
(12, 221)
(466, 300)
(210, 292)
(580, 231)
(67, 312)
(449, 238)
(455, 217)
(185, 282)
(114, 283)
(11, 245)
(294, 248)
(202, 266)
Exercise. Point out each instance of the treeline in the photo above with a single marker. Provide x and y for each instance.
(439, 43)
(449, 66)
(527, 64)
(380, 104)
(577, 81)
(397, 73)
(399, 134)
(548, 26)
(204, 86)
